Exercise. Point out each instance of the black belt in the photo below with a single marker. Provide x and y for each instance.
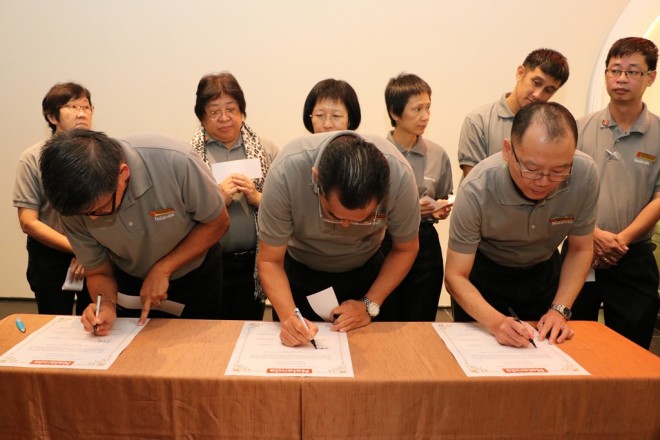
(240, 255)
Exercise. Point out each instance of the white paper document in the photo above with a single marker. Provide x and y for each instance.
(259, 352)
(134, 302)
(323, 303)
(71, 284)
(250, 167)
(479, 354)
(63, 343)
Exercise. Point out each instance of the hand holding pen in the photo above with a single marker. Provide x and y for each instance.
(515, 317)
(300, 317)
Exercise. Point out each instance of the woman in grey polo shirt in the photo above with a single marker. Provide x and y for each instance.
(331, 105)
(224, 136)
(408, 101)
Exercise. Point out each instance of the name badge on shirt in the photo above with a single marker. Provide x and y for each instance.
(162, 214)
(643, 158)
(566, 220)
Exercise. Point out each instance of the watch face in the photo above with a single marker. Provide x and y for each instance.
(567, 313)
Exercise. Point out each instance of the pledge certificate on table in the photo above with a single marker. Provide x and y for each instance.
(259, 352)
(479, 354)
(64, 343)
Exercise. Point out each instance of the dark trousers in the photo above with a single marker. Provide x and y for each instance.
(238, 301)
(46, 272)
(200, 290)
(529, 291)
(416, 298)
(629, 294)
(352, 284)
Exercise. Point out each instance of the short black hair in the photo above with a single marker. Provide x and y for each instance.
(400, 89)
(356, 169)
(214, 85)
(334, 90)
(59, 95)
(554, 117)
(630, 45)
(79, 167)
(550, 62)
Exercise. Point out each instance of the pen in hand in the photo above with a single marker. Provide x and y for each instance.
(98, 307)
(515, 317)
(300, 317)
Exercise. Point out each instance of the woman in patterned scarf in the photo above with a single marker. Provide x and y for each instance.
(224, 136)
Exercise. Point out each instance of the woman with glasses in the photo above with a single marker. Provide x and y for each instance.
(223, 137)
(50, 256)
(331, 105)
(408, 102)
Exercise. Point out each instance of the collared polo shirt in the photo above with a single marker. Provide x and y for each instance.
(628, 164)
(490, 214)
(169, 192)
(289, 211)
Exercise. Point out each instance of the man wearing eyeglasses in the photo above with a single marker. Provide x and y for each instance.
(624, 140)
(144, 216)
(50, 255)
(511, 213)
(539, 77)
(326, 203)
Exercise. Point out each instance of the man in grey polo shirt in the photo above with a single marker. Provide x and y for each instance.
(144, 217)
(511, 213)
(624, 140)
(326, 203)
(542, 73)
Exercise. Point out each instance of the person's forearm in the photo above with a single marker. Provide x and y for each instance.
(101, 281)
(200, 238)
(33, 227)
(276, 286)
(645, 220)
(396, 266)
(471, 301)
(574, 270)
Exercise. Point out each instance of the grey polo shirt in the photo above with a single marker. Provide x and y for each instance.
(628, 164)
(29, 191)
(289, 211)
(483, 132)
(431, 167)
(170, 191)
(490, 214)
(242, 233)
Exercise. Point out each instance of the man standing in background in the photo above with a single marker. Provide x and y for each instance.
(542, 73)
(624, 140)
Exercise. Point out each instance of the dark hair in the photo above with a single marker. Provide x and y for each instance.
(400, 89)
(554, 117)
(631, 45)
(356, 169)
(334, 90)
(213, 85)
(78, 167)
(550, 62)
(59, 95)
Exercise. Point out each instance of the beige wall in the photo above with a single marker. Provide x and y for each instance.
(142, 60)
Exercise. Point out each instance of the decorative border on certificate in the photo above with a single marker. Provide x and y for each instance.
(479, 354)
(63, 343)
(259, 352)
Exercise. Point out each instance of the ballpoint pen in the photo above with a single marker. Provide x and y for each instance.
(98, 307)
(515, 317)
(299, 315)
(20, 325)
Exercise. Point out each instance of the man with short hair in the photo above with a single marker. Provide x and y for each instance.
(50, 255)
(511, 213)
(541, 74)
(624, 140)
(144, 216)
(326, 203)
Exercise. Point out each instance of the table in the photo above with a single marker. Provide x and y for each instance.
(170, 383)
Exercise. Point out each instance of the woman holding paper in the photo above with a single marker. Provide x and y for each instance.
(223, 137)
(408, 101)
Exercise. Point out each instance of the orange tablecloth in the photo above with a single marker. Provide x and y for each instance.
(170, 383)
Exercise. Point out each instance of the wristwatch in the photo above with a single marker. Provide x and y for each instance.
(565, 311)
(373, 309)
